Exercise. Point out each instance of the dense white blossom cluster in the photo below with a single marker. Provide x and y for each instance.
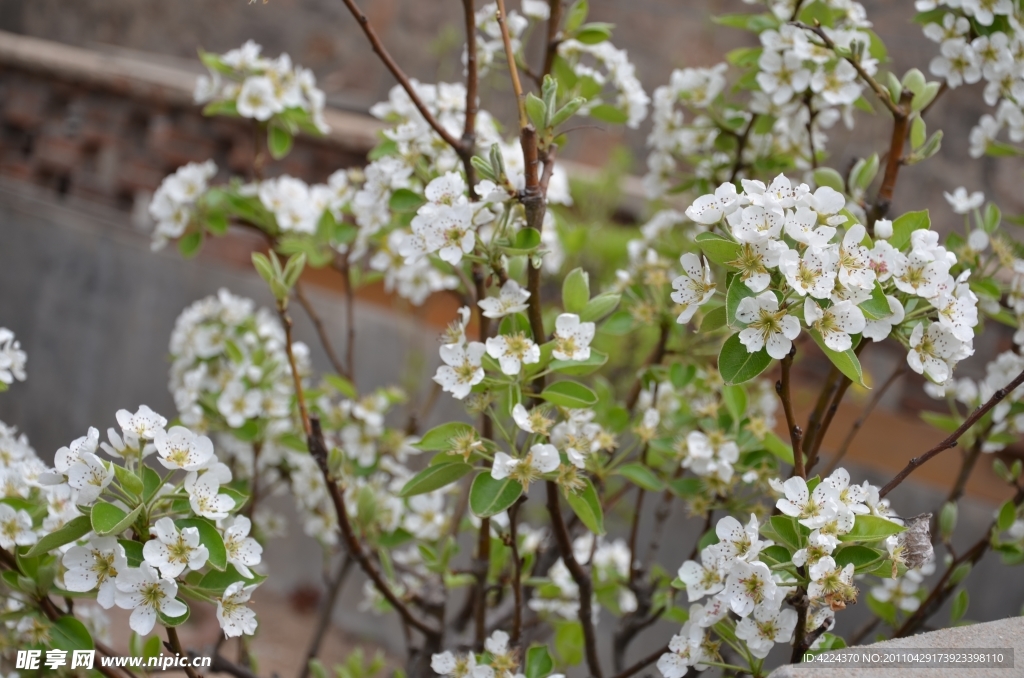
(174, 205)
(12, 359)
(252, 86)
(806, 263)
(981, 41)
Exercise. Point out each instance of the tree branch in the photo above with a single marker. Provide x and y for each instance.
(175, 646)
(321, 333)
(472, 84)
(951, 440)
(782, 387)
(868, 409)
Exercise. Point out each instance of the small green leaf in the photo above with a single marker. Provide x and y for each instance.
(778, 447)
(720, 250)
(69, 634)
(190, 243)
(539, 663)
(434, 477)
(826, 176)
(208, 537)
(439, 438)
(737, 365)
(737, 292)
(580, 368)
(576, 15)
(128, 480)
(342, 386)
(594, 33)
(906, 224)
(885, 611)
(871, 528)
(132, 551)
(600, 306)
(861, 556)
(686, 487)
(175, 621)
(569, 642)
(108, 519)
(959, 608)
(642, 476)
(571, 394)
(279, 141)
(151, 482)
(404, 200)
(876, 306)
(735, 398)
(947, 520)
(788, 530)
(489, 496)
(73, 530)
(715, 319)
(846, 361)
(1007, 516)
(608, 113)
(536, 110)
(587, 506)
(527, 240)
(576, 291)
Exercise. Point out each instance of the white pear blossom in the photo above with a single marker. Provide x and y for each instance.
(813, 509)
(205, 498)
(143, 592)
(766, 627)
(705, 578)
(693, 288)
(542, 458)
(572, 337)
(511, 299)
(963, 202)
(934, 351)
(512, 351)
(180, 448)
(233, 612)
(737, 541)
(748, 585)
(243, 551)
(767, 325)
(686, 649)
(758, 225)
(854, 260)
(459, 666)
(462, 369)
(173, 550)
(710, 209)
(90, 476)
(836, 323)
(812, 274)
(95, 565)
(12, 358)
(15, 527)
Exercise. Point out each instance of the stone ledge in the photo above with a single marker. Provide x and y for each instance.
(1005, 633)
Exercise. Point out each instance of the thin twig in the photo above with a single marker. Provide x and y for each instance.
(900, 125)
(656, 356)
(517, 573)
(782, 387)
(402, 78)
(741, 144)
(951, 440)
(513, 71)
(472, 84)
(175, 646)
(579, 575)
(321, 333)
(551, 49)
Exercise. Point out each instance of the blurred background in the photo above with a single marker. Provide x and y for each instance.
(96, 108)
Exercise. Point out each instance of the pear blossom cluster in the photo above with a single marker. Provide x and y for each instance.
(12, 359)
(612, 68)
(298, 207)
(258, 87)
(610, 564)
(981, 42)
(229, 366)
(742, 581)
(806, 263)
(174, 206)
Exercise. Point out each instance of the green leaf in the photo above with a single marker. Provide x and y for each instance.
(108, 519)
(527, 240)
(846, 361)
(906, 224)
(778, 447)
(404, 200)
(539, 663)
(69, 634)
(600, 306)
(488, 496)
(576, 15)
(947, 519)
(580, 368)
(587, 506)
(190, 243)
(788, 530)
(439, 438)
(570, 394)
(129, 480)
(434, 477)
(537, 111)
(871, 528)
(73, 530)
(342, 386)
(775, 554)
(885, 611)
(718, 249)
(860, 556)
(991, 217)
(642, 476)
(175, 621)
(208, 537)
(151, 482)
(152, 648)
(1007, 516)
(279, 141)
(826, 176)
(943, 422)
(594, 33)
(715, 319)
(608, 113)
(132, 551)
(959, 608)
(877, 306)
(217, 581)
(569, 642)
(737, 365)
(735, 398)
(747, 21)
(576, 291)
(686, 487)
(737, 292)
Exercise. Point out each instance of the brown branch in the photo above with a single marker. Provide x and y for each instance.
(579, 575)
(175, 645)
(814, 420)
(800, 601)
(895, 159)
(876, 398)
(300, 397)
(741, 144)
(656, 356)
(321, 332)
(951, 440)
(969, 461)
(830, 413)
(472, 84)
(517, 573)
(513, 70)
(782, 387)
(403, 79)
(551, 49)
